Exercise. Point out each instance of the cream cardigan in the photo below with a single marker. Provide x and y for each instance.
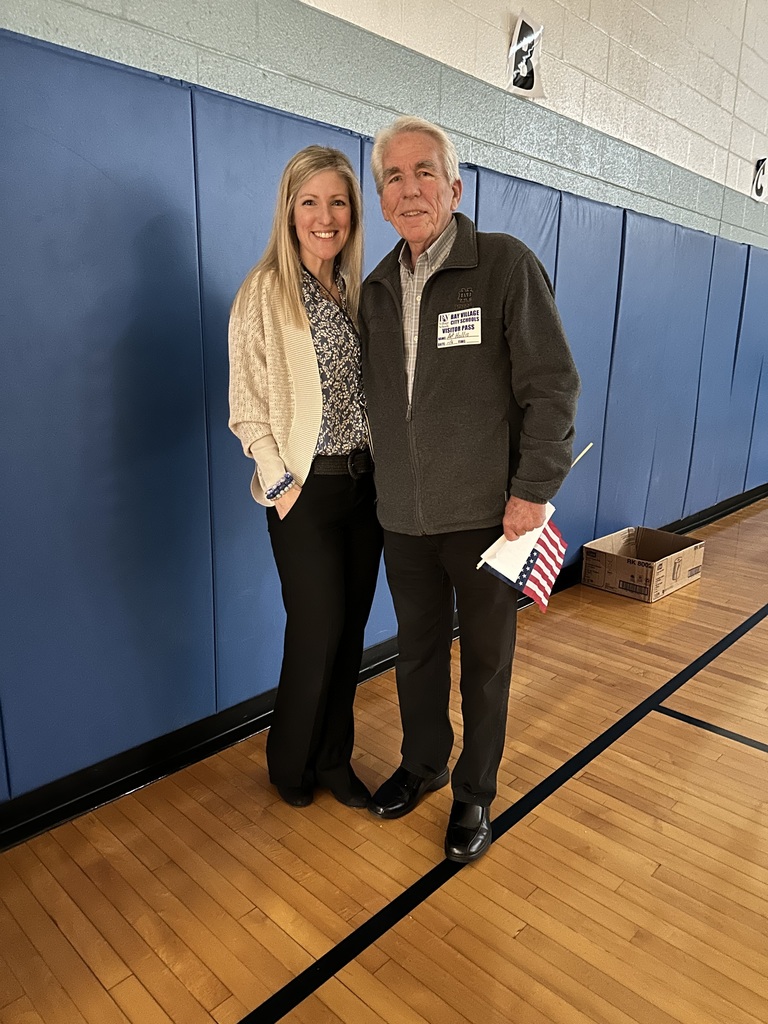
(275, 399)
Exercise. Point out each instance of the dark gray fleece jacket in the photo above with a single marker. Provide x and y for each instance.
(485, 420)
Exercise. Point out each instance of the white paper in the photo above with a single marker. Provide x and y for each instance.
(509, 556)
(523, 71)
(759, 189)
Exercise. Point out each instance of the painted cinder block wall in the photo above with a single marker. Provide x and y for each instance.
(658, 106)
(686, 80)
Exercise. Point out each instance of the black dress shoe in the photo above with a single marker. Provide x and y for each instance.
(400, 793)
(469, 832)
(296, 796)
(348, 790)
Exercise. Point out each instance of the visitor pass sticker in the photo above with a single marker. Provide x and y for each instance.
(461, 327)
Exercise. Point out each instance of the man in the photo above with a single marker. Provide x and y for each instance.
(471, 394)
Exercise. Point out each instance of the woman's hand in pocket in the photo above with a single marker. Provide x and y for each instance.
(285, 502)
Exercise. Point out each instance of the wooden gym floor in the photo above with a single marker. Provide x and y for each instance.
(628, 879)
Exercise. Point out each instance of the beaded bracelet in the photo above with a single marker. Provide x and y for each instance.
(283, 485)
(284, 490)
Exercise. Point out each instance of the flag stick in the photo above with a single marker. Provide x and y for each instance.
(582, 454)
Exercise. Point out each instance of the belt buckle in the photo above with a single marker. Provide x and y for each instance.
(351, 465)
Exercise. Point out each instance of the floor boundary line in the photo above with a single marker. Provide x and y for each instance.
(717, 730)
(287, 998)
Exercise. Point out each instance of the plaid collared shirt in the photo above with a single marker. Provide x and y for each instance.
(412, 283)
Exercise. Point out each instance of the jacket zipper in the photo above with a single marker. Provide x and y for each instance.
(409, 411)
(368, 429)
(411, 438)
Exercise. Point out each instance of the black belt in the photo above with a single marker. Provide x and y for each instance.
(354, 464)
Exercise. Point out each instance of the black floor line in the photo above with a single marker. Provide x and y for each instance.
(716, 729)
(303, 985)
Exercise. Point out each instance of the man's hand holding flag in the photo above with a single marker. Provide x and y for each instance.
(531, 563)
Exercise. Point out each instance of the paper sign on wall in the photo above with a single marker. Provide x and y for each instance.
(523, 71)
(760, 182)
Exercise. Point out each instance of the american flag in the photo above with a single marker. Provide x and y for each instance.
(545, 561)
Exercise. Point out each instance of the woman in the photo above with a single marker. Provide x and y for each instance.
(296, 404)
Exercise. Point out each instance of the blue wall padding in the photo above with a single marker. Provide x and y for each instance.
(524, 209)
(751, 378)
(241, 152)
(588, 261)
(106, 598)
(127, 202)
(744, 381)
(5, 792)
(653, 383)
(757, 469)
(713, 409)
(676, 401)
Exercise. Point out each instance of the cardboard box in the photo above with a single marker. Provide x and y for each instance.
(642, 563)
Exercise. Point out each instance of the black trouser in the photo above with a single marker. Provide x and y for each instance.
(327, 551)
(423, 574)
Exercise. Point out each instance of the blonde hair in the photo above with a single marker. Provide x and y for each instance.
(450, 158)
(281, 256)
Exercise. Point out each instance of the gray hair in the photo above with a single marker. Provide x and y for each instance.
(450, 158)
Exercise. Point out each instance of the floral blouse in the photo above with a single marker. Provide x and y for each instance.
(337, 346)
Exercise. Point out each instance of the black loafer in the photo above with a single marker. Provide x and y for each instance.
(296, 796)
(469, 832)
(349, 790)
(400, 793)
